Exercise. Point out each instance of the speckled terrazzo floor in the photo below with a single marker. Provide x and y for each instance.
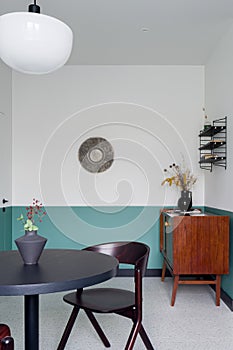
(194, 323)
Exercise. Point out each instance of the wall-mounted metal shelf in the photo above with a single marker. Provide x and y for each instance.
(213, 145)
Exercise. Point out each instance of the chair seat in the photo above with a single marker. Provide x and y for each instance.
(102, 300)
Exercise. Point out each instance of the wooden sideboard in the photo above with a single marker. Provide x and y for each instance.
(195, 246)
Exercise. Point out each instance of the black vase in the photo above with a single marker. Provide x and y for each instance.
(185, 201)
(30, 247)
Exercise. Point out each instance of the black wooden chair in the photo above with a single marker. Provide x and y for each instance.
(6, 341)
(113, 300)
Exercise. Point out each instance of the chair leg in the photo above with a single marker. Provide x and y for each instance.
(145, 338)
(68, 328)
(133, 335)
(98, 328)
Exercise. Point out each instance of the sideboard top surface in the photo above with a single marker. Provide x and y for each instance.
(176, 213)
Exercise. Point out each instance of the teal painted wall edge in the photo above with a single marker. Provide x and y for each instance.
(77, 227)
(6, 228)
(227, 280)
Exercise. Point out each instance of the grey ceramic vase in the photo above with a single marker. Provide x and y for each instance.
(185, 201)
(30, 247)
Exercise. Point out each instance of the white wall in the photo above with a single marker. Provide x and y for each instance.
(5, 133)
(151, 114)
(219, 103)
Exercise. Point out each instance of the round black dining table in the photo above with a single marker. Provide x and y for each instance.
(57, 270)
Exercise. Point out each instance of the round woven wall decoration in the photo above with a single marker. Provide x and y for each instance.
(96, 154)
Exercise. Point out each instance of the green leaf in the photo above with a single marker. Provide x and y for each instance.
(20, 218)
(29, 226)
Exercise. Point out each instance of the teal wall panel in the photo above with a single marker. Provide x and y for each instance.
(77, 227)
(1, 231)
(6, 228)
(227, 280)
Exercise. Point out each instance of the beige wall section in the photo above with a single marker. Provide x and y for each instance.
(219, 103)
(5, 133)
(151, 114)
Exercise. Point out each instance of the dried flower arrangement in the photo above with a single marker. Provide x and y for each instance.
(180, 177)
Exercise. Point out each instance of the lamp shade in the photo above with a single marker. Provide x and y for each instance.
(34, 43)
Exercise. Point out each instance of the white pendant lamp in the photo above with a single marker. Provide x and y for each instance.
(34, 43)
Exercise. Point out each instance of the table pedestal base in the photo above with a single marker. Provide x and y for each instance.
(31, 322)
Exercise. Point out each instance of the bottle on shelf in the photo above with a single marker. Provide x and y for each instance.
(207, 123)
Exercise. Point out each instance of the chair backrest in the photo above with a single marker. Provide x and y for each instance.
(6, 341)
(133, 253)
(4, 330)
